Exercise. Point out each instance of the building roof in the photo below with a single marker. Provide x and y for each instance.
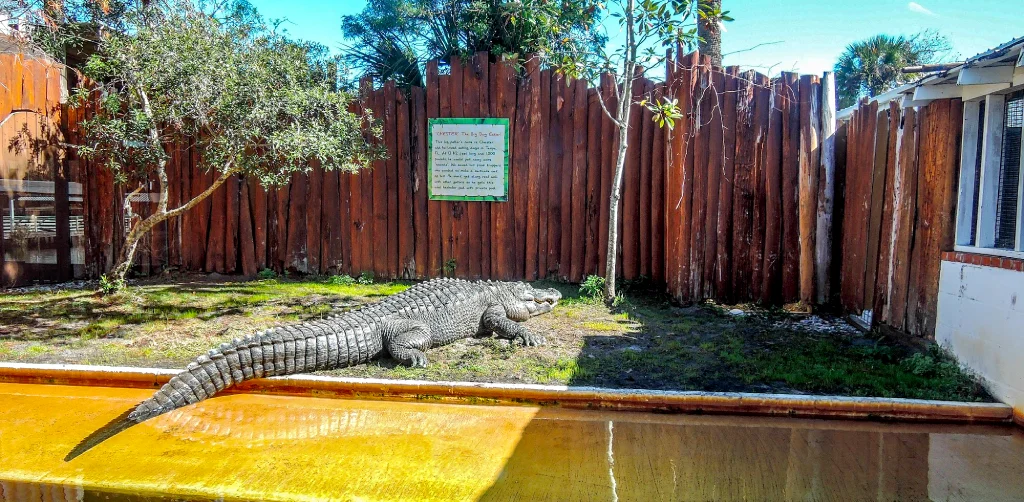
(991, 71)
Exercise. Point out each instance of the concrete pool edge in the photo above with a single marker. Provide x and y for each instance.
(721, 403)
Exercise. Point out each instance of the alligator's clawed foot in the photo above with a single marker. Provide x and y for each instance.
(531, 340)
(417, 360)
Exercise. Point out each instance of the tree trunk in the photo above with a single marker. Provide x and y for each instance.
(613, 206)
(710, 32)
(140, 229)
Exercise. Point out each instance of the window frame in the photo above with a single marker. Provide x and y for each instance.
(991, 146)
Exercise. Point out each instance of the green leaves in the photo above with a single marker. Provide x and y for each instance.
(664, 113)
(249, 97)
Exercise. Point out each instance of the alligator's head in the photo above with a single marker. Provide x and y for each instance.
(522, 301)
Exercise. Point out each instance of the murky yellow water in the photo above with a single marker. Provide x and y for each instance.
(293, 448)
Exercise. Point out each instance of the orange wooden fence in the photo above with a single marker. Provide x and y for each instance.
(712, 208)
(900, 203)
(742, 184)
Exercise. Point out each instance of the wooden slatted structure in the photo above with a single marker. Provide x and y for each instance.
(724, 206)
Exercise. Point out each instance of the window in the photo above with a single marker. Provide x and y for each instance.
(991, 204)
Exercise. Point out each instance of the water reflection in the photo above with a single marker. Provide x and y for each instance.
(287, 448)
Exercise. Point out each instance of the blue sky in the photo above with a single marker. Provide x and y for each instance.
(810, 33)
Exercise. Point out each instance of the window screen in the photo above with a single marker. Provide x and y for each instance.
(1009, 172)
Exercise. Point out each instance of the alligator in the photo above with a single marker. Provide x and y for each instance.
(428, 315)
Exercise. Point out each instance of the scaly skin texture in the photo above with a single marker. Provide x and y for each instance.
(405, 325)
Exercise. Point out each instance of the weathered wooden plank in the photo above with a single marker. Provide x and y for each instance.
(762, 117)
(502, 218)
(544, 129)
(379, 250)
(885, 242)
(609, 135)
(391, 177)
(904, 216)
(743, 186)
(771, 265)
(826, 192)
(838, 213)
(314, 216)
(790, 190)
(434, 208)
(579, 182)
(519, 177)
(298, 198)
(330, 225)
(688, 133)
(218, 226)
(486, 265)
(808, 183)
(723, 241)
(877, 180)
(421, 214)
(448, 258)
(942, 221)
(406, 176)
(716, 162)
(568, 90)
(470, 222)
(658, 167)
(246, 241)
(705, 98)
(556, 158)
(529, 84)
(459, 259)
(630, 215)
(592, 204)
(258, 206)
(173, 201)
(645, 150)
(231, 212)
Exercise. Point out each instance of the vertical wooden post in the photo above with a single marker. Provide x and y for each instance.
(790, 190)
(826, 190)
(579, 182)
(531, 82)
(808, 185)
(434, 208)
(404, 179)
(421, 214)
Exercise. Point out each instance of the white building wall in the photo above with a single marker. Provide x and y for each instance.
(981, 319)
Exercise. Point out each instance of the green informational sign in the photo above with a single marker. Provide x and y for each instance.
(467, 159)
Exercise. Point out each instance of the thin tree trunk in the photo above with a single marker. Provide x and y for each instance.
(140, 229)
(710, 33)
(622, 122)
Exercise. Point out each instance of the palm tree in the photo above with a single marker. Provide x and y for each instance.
(872, 66)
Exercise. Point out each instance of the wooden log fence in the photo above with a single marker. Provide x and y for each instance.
(754, 196)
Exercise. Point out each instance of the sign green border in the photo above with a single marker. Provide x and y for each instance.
(430, 157)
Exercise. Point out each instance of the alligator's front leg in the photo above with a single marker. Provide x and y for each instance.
(495, 320)
(406, 340)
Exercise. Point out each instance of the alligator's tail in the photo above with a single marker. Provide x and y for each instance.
(274, 352)
(278, 351)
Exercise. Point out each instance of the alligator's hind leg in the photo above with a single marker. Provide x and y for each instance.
(407, 341)
(495, 320)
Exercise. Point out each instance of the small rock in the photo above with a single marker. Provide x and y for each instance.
(737, 313)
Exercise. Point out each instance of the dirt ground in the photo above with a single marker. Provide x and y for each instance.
(641, 341)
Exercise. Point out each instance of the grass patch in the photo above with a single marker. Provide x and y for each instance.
(639, 341)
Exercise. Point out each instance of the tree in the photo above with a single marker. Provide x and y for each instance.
(67, 29)
(648, 27)
(393, 39)
(709, 29)
(253, 101)
(872, 66)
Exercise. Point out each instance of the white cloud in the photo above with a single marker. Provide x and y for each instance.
(920, 9)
